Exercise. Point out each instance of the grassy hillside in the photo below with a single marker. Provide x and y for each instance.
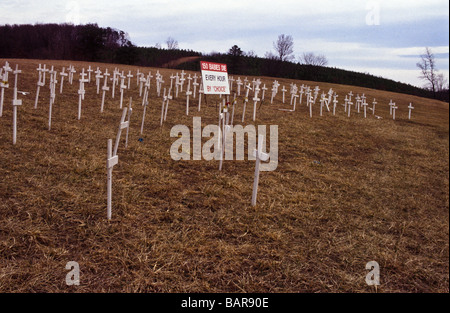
(346, 191)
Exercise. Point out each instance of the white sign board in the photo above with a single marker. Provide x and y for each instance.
(215, 78)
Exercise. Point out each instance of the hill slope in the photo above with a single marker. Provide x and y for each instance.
(346, 191)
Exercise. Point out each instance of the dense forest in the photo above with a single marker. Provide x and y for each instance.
(92, 43)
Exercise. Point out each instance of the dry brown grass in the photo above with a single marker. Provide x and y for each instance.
(346, 192)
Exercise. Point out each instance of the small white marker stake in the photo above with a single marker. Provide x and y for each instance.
(260, 156)
(374, 103)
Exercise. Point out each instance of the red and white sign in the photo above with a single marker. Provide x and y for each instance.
(215, 78)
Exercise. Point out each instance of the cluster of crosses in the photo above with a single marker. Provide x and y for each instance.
(191, 86)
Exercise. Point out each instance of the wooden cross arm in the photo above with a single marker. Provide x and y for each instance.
(112, 161)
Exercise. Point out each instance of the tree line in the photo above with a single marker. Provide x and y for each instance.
(89, 43)
(92, 43)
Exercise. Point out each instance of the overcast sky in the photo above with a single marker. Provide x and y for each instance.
(384, 38)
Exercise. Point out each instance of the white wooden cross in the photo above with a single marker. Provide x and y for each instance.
(284, 91)
(358, 102)
(162, 110)
(195, 84)
(260, 156)
(143, 116)
(72, 71)
(349, 107)
(98, 77)
(293, 91)
(232, 114)
(40, 84)
(188, 93)
(322, 102)
(248, 87)
(4, 84)
(264, 88)
(410, 107)
(138, 75)
(129, 76)
(295, 102)
(15, 102)
(169, 97)
(335, 101)
(239, 84)
(374, 103)
(52, 84)
(114, 81)
(111, 161)
(81, 92)
(231, 80)
(172, 77)
(122, 88)
(159, 83)
(123, 124)
(310, 99)
(105, 88)
(182, 79)
(142, 80)
(89, 70)
(255, 101)
(316, 93)
(44, 70)
(63, 74)
(302, 91)
(345, 103)
(391, 105)
(394, 108)
(224, 129)
(177, 84)
(350, 95)
(200, 91)
(364, 104)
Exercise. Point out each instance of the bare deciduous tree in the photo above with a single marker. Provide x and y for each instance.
(171, 43)
(428, 68)
(310, 58)
(284, 47)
